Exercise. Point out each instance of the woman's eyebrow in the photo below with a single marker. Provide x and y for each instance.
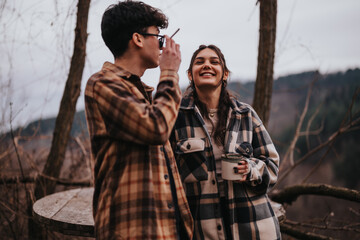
(202, 58)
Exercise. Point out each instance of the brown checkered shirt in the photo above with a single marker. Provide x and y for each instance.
(129, 142)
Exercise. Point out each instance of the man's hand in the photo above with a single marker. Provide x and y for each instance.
(170, 58)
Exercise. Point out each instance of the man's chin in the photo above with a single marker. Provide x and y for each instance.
(155, 65)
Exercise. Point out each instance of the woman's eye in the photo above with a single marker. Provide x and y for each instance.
(215, 62)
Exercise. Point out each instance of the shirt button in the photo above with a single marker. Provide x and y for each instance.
(170, 205)
(166, 176)
(219, 227)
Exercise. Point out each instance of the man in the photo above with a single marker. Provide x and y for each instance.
(138, 192)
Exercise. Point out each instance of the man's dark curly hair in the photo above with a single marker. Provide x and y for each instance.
(121, 20)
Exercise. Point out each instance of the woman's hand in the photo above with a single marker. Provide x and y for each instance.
(242, 168)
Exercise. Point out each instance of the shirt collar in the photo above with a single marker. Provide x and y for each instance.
(188, 102)
(120, 72)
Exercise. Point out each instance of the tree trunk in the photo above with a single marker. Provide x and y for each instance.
(266, 52)
(67, 109)
(64, 120)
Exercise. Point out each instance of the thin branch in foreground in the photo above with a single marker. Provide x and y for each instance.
(290, 194)
(309, 123)
(318, 164)
(15, 144)
(299, 234)
(289, 155)
(347, 128)
(323, 227)
(357, 213)
(32, 179)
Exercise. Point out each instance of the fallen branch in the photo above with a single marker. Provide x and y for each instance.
(290, 194)
(59, 181)
(322, 227)
(299, 234)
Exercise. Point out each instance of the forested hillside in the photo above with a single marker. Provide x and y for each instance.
(331, 97)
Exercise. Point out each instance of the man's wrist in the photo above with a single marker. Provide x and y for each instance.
(168, 74)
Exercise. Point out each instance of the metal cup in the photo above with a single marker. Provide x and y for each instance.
(228, 163)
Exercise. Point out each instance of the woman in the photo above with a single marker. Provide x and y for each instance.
(212, 123)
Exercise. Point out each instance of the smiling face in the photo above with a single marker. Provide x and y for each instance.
(207, 70)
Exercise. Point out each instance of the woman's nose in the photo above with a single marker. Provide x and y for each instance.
(206, 66)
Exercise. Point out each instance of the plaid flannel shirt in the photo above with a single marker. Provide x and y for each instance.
(251, 215)
(129, 143)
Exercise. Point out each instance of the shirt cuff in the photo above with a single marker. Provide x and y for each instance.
(166, 75)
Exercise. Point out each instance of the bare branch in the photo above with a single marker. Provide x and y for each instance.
(295, 232)
(9, 223)
(332, 138)
(290, 194)
(324, 227)
(318, 164)
(289, 155)
(308, 132)
(32, 179)
(357, 213)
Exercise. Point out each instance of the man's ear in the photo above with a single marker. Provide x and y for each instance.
(138, 39)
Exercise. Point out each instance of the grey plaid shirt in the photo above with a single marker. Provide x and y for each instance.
(251, 215)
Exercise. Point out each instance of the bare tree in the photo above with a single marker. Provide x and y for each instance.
(64, 120)
(266, 52)
(289, 194)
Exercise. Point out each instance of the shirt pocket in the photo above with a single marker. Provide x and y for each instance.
(191, 159)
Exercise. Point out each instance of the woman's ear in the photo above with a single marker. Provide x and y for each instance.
(189, 75)
(226, 75)
(137, 39)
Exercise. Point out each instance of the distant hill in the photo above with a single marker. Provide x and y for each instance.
(333, 92)
(46, 126)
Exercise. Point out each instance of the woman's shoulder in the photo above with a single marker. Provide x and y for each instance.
(242, 107)
(237, 104)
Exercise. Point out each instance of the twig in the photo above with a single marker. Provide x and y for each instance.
(21, 214)
(357, 213)
(10, 224)
(308, 133)
(15, 144)
(318, 164)
(289, 155)
(84, 152)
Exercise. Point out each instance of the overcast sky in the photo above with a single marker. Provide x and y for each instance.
(36, 43)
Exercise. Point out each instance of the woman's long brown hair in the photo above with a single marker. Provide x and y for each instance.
(224, 100)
